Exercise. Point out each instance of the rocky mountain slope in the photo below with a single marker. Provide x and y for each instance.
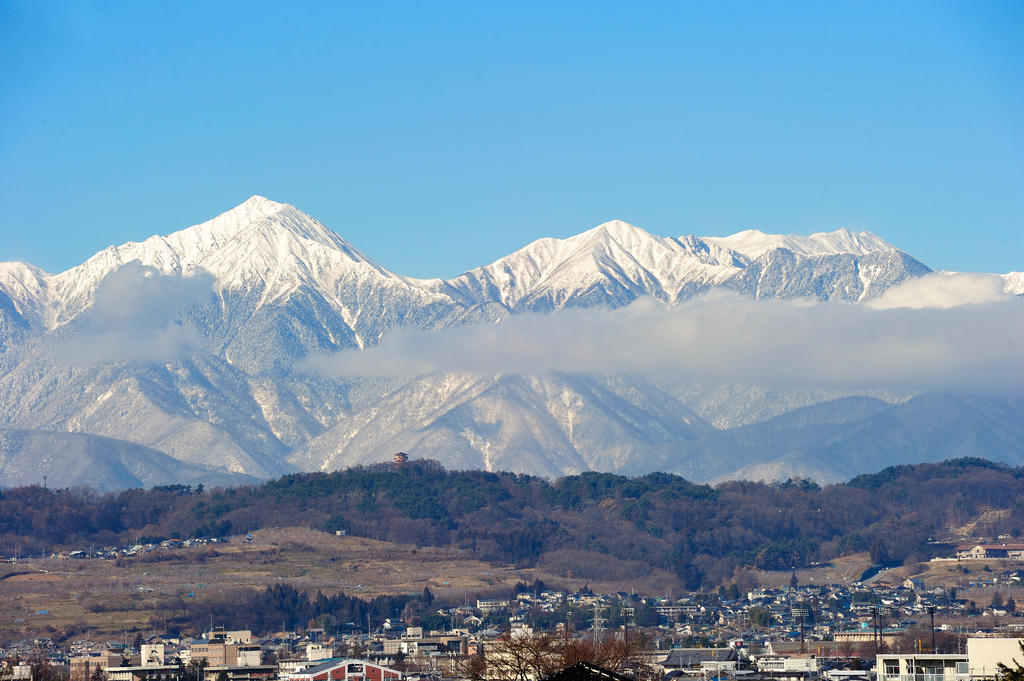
(551, 424)
(190, 344)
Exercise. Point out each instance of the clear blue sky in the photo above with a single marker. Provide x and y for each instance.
(440, 136)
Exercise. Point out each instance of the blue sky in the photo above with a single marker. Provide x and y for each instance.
(437, 136)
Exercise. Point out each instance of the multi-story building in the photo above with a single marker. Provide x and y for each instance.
(345, 670)
(83, 667)
(151, 672)
(922, 667)
(218, 653)
(789, 666)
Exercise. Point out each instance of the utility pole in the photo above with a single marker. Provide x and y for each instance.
(931, 614)
(874, 621)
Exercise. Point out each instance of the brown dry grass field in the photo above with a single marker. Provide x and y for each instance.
(109, 597)
(842, 570)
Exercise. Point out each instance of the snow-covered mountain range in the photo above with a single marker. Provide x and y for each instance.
(189, 345)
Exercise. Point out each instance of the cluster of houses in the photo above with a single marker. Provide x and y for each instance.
(831, 617)
(111, 552)
(236, 656)
(793, 631)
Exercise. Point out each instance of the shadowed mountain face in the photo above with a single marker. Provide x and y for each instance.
(184, 349)
(836, 440)
(35, 457)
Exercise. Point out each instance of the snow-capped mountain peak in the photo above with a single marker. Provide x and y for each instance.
(260, 243)
(257, 205)
(614, 229)
(272, 251)
(256, 218)
(612, 263)
(232, 221)
(753, 243)
(616, 262)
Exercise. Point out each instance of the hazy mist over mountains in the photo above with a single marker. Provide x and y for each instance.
(261, 342)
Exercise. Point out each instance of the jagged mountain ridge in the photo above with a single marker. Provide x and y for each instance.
(274, 250)
(753, 243)
(276, 273)
(279, 285)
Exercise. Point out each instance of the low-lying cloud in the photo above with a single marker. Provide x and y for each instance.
(972, 347)
(942, 290)
(137, 314)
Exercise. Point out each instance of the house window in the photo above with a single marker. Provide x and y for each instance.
(892, 668)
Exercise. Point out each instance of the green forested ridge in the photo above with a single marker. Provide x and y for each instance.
(603, 524)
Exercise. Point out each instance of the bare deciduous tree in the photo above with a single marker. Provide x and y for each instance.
(522, 656)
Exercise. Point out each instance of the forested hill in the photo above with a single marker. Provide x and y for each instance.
(606, 526)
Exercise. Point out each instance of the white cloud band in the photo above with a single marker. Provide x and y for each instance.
(976, 347)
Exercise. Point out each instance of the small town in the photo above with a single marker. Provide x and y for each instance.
(882, 628)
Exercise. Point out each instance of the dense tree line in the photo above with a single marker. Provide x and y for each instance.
(598, 524)
(283, 608)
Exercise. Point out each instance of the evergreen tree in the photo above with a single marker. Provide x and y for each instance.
(759, 616)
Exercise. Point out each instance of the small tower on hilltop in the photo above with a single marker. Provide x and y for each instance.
(401, 458)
